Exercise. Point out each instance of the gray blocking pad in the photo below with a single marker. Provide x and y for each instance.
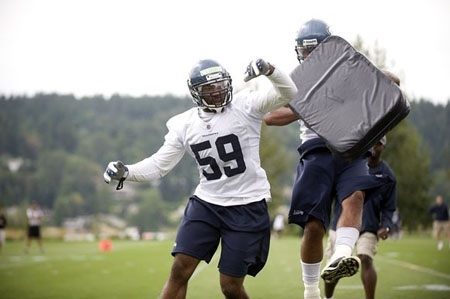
(345, 99)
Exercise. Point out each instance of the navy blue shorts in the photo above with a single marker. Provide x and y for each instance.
(244, 232)
(34, 231)
(322, 177)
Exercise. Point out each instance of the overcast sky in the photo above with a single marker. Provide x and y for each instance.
(132, 47)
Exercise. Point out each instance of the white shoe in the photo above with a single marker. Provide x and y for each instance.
(312, 294)
(440, 246)
(343, 266)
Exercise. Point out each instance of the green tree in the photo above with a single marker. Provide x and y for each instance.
(279, 164)
(407, 156)
(152, 212)
(409, 160)
(68, 206)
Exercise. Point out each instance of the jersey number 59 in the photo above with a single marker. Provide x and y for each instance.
(235, 154)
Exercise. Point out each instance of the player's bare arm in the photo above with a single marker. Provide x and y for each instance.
(280, 117)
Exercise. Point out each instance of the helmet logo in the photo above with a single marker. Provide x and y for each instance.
(210, 70)
(214, 76)
(310, 42)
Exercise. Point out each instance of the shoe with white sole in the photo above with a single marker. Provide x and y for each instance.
(312, 294)
(344, 266)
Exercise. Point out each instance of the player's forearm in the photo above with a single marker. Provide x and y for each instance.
(282, 92)
(280, 117)
(284, 86)
(155, 166)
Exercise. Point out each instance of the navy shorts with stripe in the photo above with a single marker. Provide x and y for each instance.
(322, 177)
(243, 230)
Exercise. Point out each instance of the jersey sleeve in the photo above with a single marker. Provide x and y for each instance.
(283, 90)
(164, 160)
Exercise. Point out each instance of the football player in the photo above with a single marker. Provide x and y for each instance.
(322, 176)
(229, 204)
(379, 208)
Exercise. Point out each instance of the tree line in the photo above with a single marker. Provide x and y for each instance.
(61, 145)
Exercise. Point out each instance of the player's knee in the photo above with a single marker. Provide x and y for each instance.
(356, 197)
(231, 290)
(315, 226)
(181, 271)
(231, 287)
(353, 203)
(366, 261)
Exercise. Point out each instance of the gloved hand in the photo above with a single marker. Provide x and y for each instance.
(116, 171)
(257, 68)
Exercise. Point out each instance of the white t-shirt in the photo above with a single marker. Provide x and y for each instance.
(224, 144)
(34, 216)
(306, 133)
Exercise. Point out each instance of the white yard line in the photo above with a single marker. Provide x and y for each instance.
(414, 267)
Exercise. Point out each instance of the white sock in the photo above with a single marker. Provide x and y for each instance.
(346, 238)
(310, 275)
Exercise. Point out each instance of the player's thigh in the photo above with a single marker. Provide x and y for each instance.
(183, 266)
(313, 187)
(245, 239)
(354, 176)
(198, 234)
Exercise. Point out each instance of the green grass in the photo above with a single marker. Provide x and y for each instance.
(138, 270)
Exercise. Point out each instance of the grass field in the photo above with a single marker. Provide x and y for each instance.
(410, 268)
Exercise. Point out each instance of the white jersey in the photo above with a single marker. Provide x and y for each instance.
(224, 144)
(34, 216)
(306, 133)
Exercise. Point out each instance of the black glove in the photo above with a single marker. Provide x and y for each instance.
(116, 171)
(257, 68)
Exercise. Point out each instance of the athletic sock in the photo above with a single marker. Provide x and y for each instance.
(310, 274)
(346, 238)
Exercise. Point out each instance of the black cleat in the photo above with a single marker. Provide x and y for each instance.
(344, 266)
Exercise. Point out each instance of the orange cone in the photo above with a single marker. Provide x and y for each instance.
(105, 245)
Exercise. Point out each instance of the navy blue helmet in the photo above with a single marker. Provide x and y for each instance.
(309, 36)
(210, 85)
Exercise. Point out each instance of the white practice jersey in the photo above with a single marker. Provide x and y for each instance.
(306, 133)
(34, 216)
(225, 146)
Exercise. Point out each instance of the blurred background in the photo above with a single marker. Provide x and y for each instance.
(84, 82)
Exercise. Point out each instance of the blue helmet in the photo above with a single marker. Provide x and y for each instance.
(309, 36)
(210, 85)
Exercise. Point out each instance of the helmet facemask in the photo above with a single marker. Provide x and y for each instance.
(213, 94)
(210, 85)
(216, 94)
(304, 48)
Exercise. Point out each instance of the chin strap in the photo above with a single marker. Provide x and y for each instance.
(214, 110)
(120, 184)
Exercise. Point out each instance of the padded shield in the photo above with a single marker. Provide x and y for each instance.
(345, 99)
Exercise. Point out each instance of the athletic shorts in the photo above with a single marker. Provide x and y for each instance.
(243, 230)
(441, 227)
(2, 236)
(321, 177)
(34, 231)
(367, 244)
